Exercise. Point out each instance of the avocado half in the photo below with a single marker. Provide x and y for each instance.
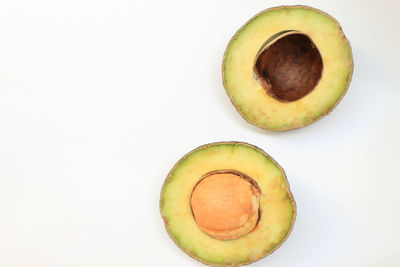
(227, 204)
(287, 67)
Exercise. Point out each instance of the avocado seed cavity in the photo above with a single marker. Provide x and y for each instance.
(289, 67)
(225, 204)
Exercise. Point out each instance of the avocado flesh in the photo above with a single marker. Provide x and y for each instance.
(277, 206)
(248, 95)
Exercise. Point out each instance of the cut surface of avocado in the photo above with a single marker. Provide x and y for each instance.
(287, 67)
(227, 204)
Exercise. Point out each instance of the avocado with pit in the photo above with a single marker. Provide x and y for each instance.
(227, 204)
(287, 67)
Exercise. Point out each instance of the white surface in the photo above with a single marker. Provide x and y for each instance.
(98, 100)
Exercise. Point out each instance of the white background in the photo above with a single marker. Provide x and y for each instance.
(98, 100)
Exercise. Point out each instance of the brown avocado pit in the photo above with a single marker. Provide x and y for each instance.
(289, 67)
(225, 204)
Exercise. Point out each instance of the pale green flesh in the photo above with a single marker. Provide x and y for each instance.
(254, 104)
(277, 204)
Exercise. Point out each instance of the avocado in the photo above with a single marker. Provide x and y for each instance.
(227, 204)
(287, 67)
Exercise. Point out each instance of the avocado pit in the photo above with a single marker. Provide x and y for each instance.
(225, 204)
(289, 66)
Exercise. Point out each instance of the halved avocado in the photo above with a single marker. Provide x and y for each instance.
(227, 204)
(287, 67)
